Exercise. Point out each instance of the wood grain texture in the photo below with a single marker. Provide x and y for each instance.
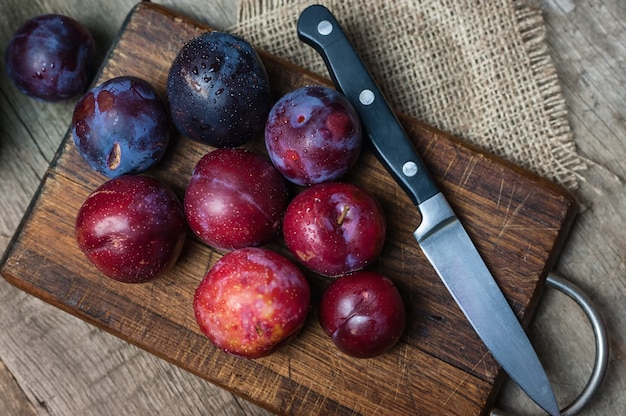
(14, 401)
(518, 221)
(65, 366)
(587, 45)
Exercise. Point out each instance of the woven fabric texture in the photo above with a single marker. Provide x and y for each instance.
(479, 70)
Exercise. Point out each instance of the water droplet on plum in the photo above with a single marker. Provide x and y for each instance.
(222, 57)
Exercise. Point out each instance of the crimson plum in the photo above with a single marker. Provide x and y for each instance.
(313, 135)
(363, 313)
(251, 302)
(235, 198)
(131, 228)
(121, 126)
(218, 90)
(51, 57)
(334, 228)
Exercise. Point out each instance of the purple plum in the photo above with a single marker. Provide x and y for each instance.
(131, 228)
(334, 228)
(252, 302)
(235, 198)
(218, 90)
(51, 57)
(363, 314)
(121, 126)
(313, 135)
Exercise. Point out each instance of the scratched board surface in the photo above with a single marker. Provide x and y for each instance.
(517, 220)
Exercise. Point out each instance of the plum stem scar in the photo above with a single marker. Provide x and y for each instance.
(344, 212)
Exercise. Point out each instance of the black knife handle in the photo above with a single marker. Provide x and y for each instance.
(318, 28)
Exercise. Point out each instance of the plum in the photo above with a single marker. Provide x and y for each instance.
(334, 228)
(251, 302)
(132, 228)
(51, 57)
(218, 90)
(363, 313)
(313, 135)
(235, 198)
(121, 126)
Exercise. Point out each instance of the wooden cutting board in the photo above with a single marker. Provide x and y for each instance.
(518, 221)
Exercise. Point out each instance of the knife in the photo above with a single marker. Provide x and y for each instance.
(440, 234)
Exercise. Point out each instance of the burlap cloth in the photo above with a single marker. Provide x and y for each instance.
(479, 70)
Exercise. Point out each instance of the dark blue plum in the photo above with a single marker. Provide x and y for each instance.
(313, 135)
(218, 90)
(121, 126)
(51, 57)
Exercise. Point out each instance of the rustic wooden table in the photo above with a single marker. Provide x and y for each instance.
(53, 363)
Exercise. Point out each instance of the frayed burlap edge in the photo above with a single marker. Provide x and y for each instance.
(563, 149)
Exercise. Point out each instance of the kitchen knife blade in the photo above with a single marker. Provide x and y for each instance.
(440, 234)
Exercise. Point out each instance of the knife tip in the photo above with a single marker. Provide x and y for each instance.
(551, 406)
